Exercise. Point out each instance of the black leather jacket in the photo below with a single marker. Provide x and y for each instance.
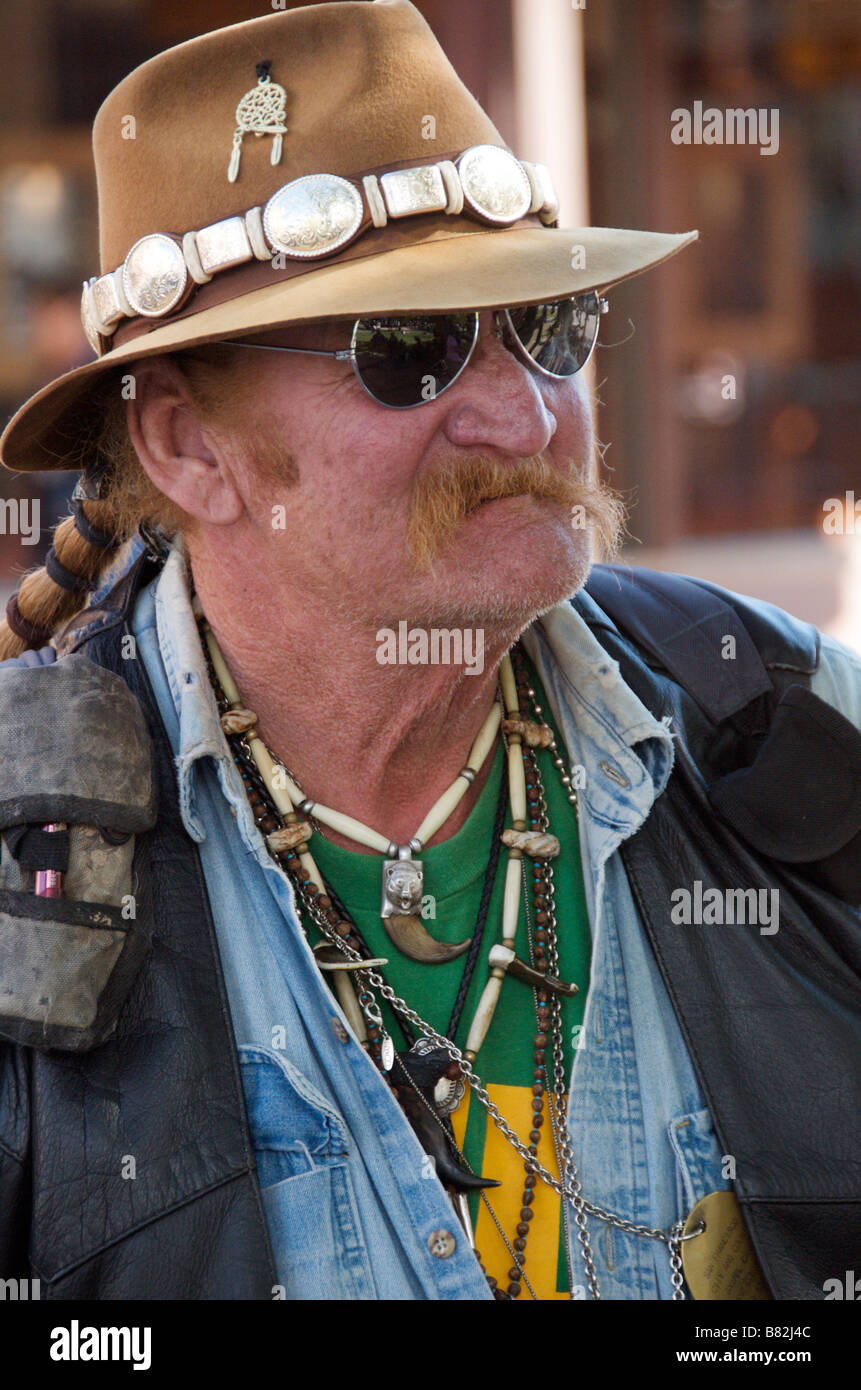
(774, 1032)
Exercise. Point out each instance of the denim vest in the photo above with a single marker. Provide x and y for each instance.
(351, 1207)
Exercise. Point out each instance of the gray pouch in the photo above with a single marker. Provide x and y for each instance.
(75, 751)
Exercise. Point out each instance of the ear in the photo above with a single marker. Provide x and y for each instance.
(181, 456)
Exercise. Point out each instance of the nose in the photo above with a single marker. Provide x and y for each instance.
(491, 324)
(497, 401)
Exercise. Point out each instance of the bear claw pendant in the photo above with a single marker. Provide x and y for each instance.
(414, 1080)
(403, 880)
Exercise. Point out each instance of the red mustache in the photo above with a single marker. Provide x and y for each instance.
(442, 499)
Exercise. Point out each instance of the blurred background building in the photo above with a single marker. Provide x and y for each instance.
(729, 380)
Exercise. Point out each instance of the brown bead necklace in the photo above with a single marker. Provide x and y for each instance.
(542, 940)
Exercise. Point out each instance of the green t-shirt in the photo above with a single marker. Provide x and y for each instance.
(454, 873)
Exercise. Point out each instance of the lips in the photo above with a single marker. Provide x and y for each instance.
(495, 497)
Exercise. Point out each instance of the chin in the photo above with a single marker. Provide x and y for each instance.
(510, 582)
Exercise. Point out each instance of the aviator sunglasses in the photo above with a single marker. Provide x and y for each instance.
(403, 361)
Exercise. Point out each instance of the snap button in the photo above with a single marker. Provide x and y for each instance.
(614, 774)
(441, 1244)
(340, 1031)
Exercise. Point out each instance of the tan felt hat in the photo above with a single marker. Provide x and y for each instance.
(318, 163)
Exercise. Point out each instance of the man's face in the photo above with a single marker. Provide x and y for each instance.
(384, 511)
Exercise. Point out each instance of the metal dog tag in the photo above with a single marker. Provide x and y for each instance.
(721, 1263)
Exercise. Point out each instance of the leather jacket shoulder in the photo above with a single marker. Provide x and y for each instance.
(126, 1171)
(764, 798)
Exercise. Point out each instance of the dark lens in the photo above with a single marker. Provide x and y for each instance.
(559, 337)
(405, 361)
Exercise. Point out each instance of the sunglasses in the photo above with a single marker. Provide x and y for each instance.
(407, 360)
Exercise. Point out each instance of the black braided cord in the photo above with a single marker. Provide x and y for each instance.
(489, 878)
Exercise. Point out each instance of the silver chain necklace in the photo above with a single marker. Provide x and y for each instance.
(568, 1186)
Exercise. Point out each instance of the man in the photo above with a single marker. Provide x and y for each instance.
(359, 448)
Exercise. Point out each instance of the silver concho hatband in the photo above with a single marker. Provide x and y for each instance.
(313, 216)
(310, 217)
(154, 275)
(494, 183)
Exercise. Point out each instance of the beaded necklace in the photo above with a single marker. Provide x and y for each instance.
(429, 1080)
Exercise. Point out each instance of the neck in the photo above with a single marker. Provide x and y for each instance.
(377, 742)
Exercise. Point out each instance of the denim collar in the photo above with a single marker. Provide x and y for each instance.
(624, 753)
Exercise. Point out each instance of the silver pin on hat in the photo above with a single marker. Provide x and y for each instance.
(261, 111)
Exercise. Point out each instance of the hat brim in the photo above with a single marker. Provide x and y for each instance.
(479, 270)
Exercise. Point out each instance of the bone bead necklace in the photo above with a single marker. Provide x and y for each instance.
(403, 872)
(406, 931)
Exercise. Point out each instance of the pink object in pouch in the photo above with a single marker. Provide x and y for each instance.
(49, 882)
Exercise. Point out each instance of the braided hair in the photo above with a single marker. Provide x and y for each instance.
(88, 542)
